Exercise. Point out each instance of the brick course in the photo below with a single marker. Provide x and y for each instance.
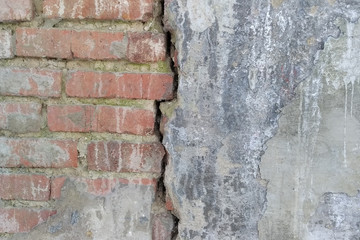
(25, 187)
(40, 153)
(125, 157)
(120, 85)
(89, 118)
(91, 45)
(128, 10)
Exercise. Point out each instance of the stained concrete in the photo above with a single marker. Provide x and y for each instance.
(239, 64)
(312, 164)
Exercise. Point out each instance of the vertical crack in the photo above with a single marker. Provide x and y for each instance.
(161, 195)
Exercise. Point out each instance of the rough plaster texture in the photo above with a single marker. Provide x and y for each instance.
(239, 65)
(317, 151)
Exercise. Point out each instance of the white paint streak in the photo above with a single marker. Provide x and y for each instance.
(77, 13)
(61, 10)
(119, 122)
(36, 190)
(141, 88)
(107, 157)
(135, 157)
(7, 223)
(321, 154)
(97, 154)
(120, 159)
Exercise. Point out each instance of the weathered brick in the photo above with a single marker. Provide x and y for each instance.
(163, 121)
(98, 45)
(98, 186)
(56, 185)
(70, 118)
(37, 42)
(175, 56)
(16, 10)
(146, 47)
(69, 44)
(20, 117)
(87, 207)
(25, 187)
(99, 9)
(104, 186)
(125, 157)
(89, 118)
(168, 203)
(54, 153)
(120, 85)
(30, 82)
(163, 224)
(15, 220)
(6, 44)
(124, 120)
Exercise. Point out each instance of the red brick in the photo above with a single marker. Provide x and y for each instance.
(168, 203)
(16, 220)
(162, 226)
(124, 120)
(116, 85)
(98, 45)
(35, 42)
(125, 157)
(38, 153)
(163, 121)
(89, 118)
(20, 117)
(99, 186)
(70, 118)
(16, 10)
(6, 44)
(146, 47)
(56, 186)
(25, 187)
(30, 82)
(104, 9)
(68, 44)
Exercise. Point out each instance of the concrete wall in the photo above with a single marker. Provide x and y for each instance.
(263, 140)
(312, 164)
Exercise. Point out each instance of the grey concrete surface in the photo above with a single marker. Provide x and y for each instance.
(240, 63)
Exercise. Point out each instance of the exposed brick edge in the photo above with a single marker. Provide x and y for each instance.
(161, 120)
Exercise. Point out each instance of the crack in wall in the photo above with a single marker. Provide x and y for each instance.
(161, 194)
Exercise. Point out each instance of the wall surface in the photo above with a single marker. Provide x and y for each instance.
(264, 137)
(312, 164)
(80, 151)
(242, 122)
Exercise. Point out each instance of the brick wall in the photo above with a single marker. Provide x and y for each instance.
(80, 82)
